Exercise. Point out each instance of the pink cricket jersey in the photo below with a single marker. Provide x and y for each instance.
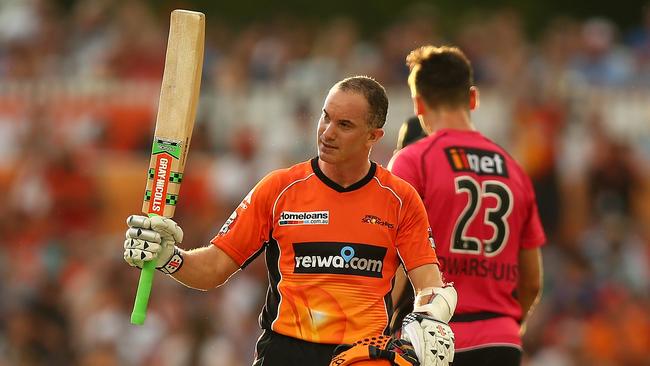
(482, 211)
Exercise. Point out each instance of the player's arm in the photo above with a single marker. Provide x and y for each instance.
(399, 286)
(205, 268)
(243, 235)
(529, 284)
(424, 280)
(157, 238)
(529, 287)
(432, 296)
(425, 276)
(417, 250)
(426, 327)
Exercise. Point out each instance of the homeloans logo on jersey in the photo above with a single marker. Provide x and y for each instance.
(481, 162)
(304, 218)
(339, 258)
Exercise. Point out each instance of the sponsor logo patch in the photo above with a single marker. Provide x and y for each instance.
(226, 226)
(371, 219)
(160, 184)
(288, 218)
(339, 258)
(481, 162)
(431, 241)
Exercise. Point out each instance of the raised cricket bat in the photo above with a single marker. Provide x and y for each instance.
(179, 96)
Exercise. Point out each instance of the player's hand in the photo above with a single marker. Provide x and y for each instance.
(432, 339)
(153, 238)
(427, 327)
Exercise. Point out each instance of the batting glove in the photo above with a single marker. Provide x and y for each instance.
(153, 238)
(427, 327)
(432, 340)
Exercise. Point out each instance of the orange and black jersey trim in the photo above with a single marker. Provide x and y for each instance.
(331, 251)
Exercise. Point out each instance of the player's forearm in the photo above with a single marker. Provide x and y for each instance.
(205, 268)
(399, 285)
(431, 295)
(528, 296)
(425, 276)
(529, 286)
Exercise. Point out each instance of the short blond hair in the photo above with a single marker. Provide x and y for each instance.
(441, 76)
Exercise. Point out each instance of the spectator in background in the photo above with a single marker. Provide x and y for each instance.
(612, 242)
(639, 41)
(91, 39)
(236, 170)
(138, 51)
(601, 61)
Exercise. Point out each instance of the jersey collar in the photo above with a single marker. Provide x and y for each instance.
(337, 187)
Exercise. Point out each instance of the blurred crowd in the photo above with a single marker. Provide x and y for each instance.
(78, 94)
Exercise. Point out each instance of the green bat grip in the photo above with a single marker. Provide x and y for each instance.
(144, 290)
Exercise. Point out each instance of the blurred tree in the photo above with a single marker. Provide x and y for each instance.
(375, 14)
(372, 15)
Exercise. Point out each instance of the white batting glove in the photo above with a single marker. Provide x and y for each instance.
(432, 340)
(153, 238)
(427, 326)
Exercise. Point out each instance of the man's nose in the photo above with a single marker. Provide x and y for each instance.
(329, 132)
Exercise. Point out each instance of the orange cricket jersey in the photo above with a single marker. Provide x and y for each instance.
(331, 252)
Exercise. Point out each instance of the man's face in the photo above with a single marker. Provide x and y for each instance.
(343, 131)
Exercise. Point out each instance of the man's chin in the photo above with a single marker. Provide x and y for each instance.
(327, 158)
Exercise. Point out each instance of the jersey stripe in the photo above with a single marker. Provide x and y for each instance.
(286, 188)
(400, 208)
(391, 190)
(273, 296)
(276, 288)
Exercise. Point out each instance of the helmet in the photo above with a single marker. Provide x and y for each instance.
(375, 351)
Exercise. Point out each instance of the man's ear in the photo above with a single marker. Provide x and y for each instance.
(473, 98)
(375, 135)
(418, 105)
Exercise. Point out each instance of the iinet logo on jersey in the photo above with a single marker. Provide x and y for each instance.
(481, 162)
(304, 218)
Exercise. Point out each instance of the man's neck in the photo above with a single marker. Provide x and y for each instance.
(455, 119)
(345, 174)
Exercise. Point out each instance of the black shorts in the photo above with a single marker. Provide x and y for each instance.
(489, 356)
(274, 349)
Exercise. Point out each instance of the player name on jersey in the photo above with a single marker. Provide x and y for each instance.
(481, 162)
(479, 267)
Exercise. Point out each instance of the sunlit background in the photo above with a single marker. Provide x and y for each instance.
(565, 88)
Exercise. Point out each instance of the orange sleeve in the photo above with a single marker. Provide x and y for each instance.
(414, 240)
(248, 228)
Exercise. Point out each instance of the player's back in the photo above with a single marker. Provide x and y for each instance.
(482, 211)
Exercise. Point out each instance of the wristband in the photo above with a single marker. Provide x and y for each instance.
(173, 264)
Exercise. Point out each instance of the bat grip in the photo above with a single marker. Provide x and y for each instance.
(139, 313)
(144, 290)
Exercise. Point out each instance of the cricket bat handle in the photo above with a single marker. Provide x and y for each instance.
(139, 313)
